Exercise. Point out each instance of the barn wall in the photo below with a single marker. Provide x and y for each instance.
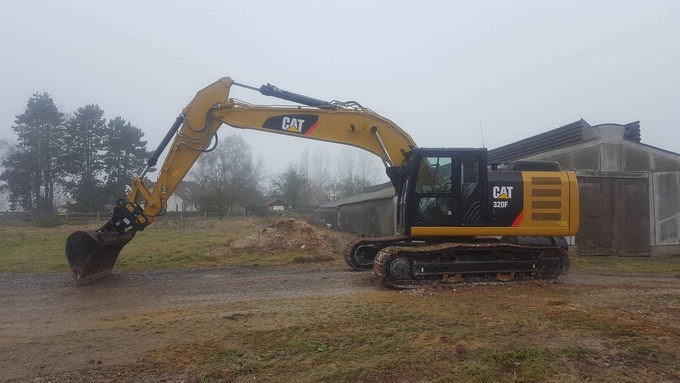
(618, 181)
(328, 215)
(614, 216)
(666, 211)
(374, 217)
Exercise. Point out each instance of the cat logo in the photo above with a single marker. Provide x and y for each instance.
(292, 124)
(502, 192)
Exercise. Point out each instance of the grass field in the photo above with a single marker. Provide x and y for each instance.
(165, 245)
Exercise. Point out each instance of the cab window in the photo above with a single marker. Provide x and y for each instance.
(434, 175)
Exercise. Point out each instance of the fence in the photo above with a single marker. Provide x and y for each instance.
(55, 219)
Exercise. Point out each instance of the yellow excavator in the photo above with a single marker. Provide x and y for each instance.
(458, 217)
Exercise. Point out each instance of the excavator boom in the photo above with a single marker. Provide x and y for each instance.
(451, 206)
(92, 254)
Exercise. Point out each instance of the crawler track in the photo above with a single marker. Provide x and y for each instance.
(409, 267)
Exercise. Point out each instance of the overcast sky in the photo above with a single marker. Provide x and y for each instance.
(436, 68)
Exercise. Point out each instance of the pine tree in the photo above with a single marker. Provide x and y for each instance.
(126, 155)
(32, 173)
(84, 159)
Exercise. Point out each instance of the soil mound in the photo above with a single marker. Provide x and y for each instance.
(285, 234)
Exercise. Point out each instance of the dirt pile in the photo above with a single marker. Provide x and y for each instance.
(287, 234)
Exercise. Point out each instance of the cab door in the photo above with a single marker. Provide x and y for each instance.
(447, 188)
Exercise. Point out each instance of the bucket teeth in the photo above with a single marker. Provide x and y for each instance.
(92, 255)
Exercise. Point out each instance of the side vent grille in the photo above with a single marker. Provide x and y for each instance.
(548, 205)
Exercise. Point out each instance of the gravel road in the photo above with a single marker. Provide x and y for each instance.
(49, 326)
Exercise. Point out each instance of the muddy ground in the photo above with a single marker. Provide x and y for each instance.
(142, 326)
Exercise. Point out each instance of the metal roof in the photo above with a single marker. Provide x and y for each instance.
(566, 135)
(563, 136)
(387, 192)
(189, 190)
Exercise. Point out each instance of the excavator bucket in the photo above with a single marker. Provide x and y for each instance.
(92, 255)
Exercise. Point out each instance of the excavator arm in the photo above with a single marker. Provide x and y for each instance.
(92, 254)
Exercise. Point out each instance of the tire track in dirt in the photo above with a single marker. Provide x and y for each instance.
(49, 326)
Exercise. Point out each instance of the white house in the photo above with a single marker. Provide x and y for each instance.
(276, 205)
(184, 198)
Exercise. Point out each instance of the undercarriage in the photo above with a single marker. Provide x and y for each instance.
(401, 262)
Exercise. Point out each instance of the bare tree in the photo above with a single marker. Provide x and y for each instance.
(356, 170)
(291, 185)
(367, 170)
(303, 165)
(321, 171)
(228, 175)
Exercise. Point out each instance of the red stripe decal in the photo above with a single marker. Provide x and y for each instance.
(312, 128)
(519, 219)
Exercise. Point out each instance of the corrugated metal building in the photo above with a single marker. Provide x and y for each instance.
(370, 213)
(630, 191)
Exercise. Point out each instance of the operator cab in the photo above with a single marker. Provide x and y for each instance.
(443, 187)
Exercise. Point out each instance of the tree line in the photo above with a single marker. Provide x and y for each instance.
(84, 156)
(90, 160)
(230, 176)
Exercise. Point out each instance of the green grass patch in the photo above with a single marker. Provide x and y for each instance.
(529, 364)
(50, 221)
(586, 321)
(478, 372)
(222, 359)
(303, 345)
(576, 353)
(345, 374)
(644, 348)
(31, 249)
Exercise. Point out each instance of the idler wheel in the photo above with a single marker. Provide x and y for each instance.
(400, 268)
(364, 255)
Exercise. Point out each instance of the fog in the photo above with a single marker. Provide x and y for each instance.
(438, 69)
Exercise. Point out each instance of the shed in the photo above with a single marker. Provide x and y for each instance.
(371, 212)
